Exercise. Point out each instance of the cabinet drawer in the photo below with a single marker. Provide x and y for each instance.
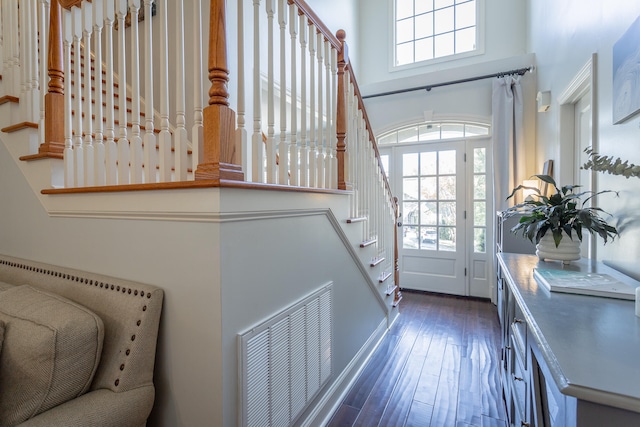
(520, 382)
(519, 334)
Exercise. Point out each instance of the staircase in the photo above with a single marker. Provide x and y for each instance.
(114, 131)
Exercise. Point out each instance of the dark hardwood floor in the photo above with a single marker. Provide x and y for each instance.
(438, 366)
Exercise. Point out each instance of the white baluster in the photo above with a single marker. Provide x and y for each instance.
(99, 150)
(304, 153)
(271, 151)
(164, 138)
(334, 130)
(123, 142)
(241, 132)
(197, 131)
(283, 167)
(329, 115)
(23, 64)
(293, 143)
(35, 95)
(111, 150)
(14, 82)
(69, 176)
(136, 139)
(257, 144)
(320, 162)
(313, 181)
(150, 158)
(78, 167)
(180, 133)
(87, 127)
(44, 10)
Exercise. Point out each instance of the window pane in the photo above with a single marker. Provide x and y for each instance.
(389, 139)
(466, 15)
(428, 188)
(404, 53)
(404, 8)
(480, 213)
(444, 20)
(452, 130)
(408, 134)
(410, 237)
(447, 213)
(423, 6)
(479, 160)
(410, 164)
(447, 162)
(424, 49)
(410, 189)
(428, 163)
(471, 130)
(428, 213)
(480, 187)
(442, 3)
(384, 158)
(479, 240)
(429, 236)
(430, 131)
(466, 40)
(444, 45)
(404, 30)
(410, 213)
(447, 239)
(447, 188)
(424, 25)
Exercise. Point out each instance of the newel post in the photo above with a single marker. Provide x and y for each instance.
(397, 295)
(53, 144)
(341, 111)
(218, 157)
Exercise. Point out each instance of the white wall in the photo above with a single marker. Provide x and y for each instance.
(564, 35)
(504, 38)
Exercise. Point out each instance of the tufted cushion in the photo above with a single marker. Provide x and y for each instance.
(51, 351)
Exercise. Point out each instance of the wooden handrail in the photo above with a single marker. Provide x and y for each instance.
(304, 9)
(219, 120)
(53, 144)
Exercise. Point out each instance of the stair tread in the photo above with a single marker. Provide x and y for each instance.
(369, 242)
(19, 126)
(356, 219)
(8, 98)
(384, 276)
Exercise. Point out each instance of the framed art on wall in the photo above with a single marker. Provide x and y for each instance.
(626, 79)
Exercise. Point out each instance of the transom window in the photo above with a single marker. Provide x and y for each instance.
(430, 29)
(433, 132)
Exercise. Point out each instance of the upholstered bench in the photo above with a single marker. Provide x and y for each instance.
(76, 349)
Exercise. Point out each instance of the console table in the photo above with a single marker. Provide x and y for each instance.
(567, 360)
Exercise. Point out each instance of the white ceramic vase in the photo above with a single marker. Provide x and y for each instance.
(568, 249)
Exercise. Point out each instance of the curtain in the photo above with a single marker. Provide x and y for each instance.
(508, 139)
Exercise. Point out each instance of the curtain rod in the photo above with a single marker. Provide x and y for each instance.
(519, 71)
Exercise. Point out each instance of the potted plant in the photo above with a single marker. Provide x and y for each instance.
(553, 222)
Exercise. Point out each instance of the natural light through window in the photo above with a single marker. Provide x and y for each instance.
(433, 131)
(429, 29)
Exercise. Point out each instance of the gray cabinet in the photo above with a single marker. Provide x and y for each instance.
(567, 360)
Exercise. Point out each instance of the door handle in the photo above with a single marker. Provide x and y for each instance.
(399, 224)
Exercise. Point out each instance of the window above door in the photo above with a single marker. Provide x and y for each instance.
(433, 131)
(435, 30)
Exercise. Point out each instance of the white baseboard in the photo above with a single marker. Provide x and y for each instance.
(321, 413)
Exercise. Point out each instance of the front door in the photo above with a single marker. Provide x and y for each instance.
(445, 201)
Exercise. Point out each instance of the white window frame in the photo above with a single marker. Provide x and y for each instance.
(480, 41)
